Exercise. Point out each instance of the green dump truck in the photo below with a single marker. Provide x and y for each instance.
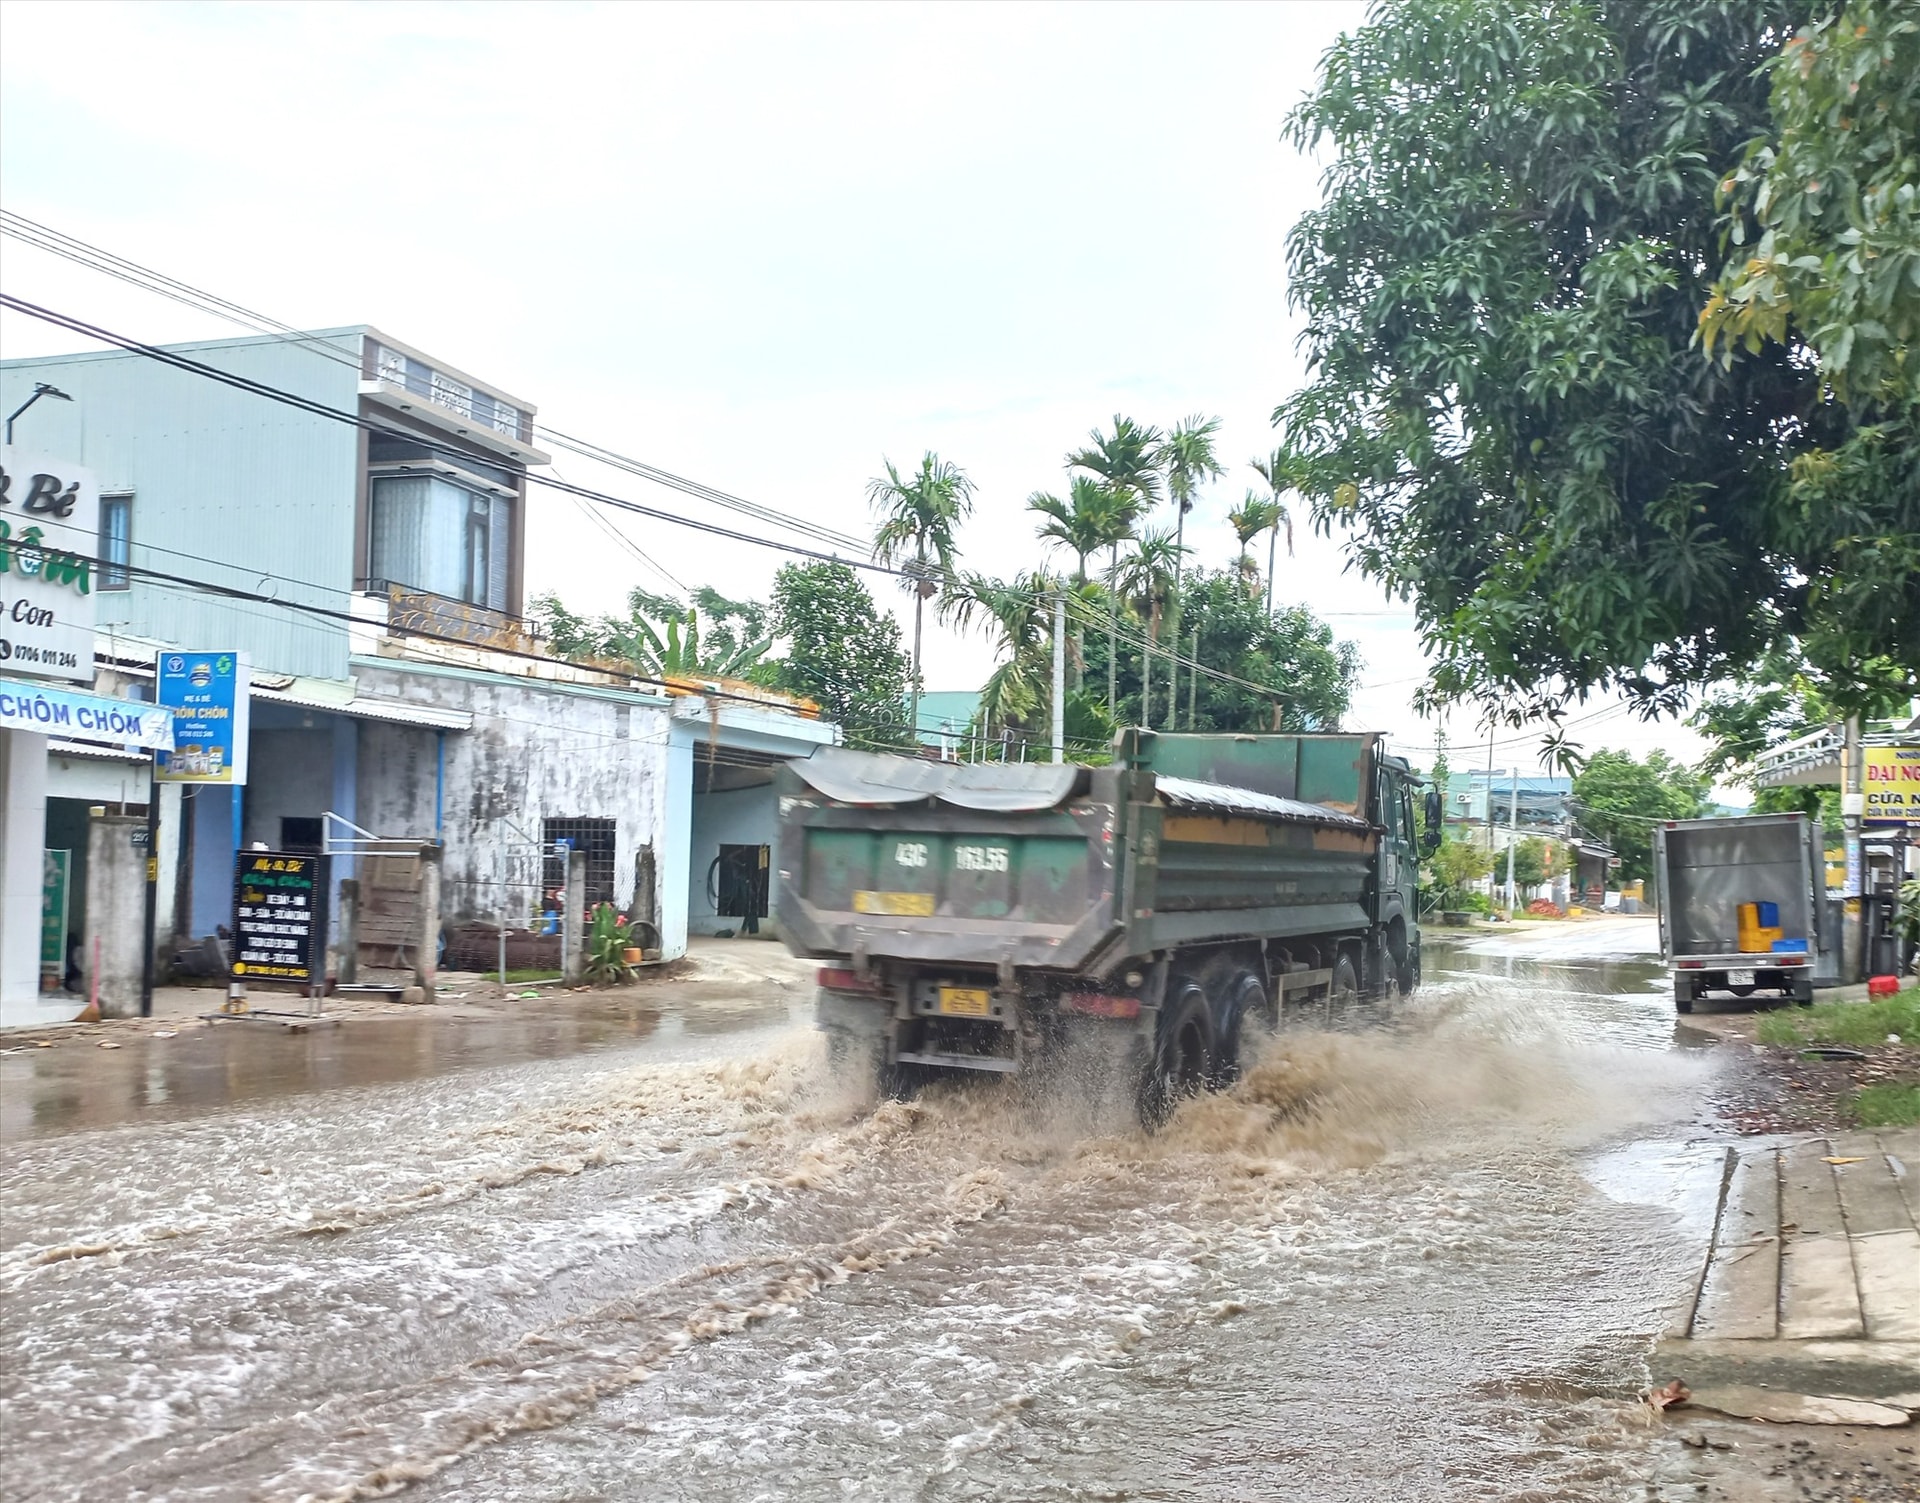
(993, 917)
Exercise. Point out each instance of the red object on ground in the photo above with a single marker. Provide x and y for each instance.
(1882, 986)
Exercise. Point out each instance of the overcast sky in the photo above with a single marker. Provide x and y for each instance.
(761, 246)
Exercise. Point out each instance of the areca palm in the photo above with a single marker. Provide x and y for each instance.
(1093, 516)
(1016, 613)
(1147, 577)
(918, 515)
(1253, 516)
(1280, 474)
(1190, 462)
(1127, 462)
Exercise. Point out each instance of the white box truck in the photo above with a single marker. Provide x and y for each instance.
(1704, 869)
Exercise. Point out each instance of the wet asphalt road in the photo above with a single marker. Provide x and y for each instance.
(647, 1250)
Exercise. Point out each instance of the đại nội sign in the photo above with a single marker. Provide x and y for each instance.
(1892, 785)
(49, 536)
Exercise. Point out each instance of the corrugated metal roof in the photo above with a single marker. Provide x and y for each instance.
(1218, 798)
(361, 707)
(99, 753)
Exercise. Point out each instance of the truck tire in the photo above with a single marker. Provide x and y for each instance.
(1343, 993)
(1250, 1018)
(1683, 999)
(1183, 1054)
(1407, 973)
(856, 1033)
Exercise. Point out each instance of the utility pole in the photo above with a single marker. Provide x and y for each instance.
(1193, 685)
(149, 938)
(1853, 805)
(1513, 833)
(1490, 729)
(1060, 675)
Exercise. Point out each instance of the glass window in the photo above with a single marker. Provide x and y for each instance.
(430, 534)
(116, 540)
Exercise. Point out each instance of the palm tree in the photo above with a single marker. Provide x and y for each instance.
(1128, 462)
(1249, 519)
(917, 519)
(1147, 578)
(1278, 471)
(1017, 613)
(1190, 461)
(1093, 516)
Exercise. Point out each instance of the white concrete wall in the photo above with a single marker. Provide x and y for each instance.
(536, 752)
(116, 911)
(23, 838)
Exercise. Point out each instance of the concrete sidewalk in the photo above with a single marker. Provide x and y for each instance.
(1808, 1304)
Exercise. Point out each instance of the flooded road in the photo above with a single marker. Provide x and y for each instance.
(1418, 1262)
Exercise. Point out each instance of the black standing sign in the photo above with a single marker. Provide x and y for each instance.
(279, 917)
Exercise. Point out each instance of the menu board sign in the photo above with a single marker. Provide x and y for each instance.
(279, 917)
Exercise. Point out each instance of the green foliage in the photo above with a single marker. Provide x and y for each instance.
(1621, 800)
(1887, 1104)
(609, 936)
(1826, 207)
(1510, 408)
(1093, 516)
(918, 512)
(1858, 1025)
(1535, 861)
(1291, 655)
(842, 652)
(1452, 870)
(661, 638)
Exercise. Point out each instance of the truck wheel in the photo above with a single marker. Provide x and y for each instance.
(856, 1034)
(1343, 994)
(1407, 973)
(1250, 1017)
(1183, 1055)
(1683, 1001)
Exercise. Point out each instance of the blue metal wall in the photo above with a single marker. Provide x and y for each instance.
(228, 487)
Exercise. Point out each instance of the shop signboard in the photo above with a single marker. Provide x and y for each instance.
(279, 917)
(1893, 785)
(208, 694)
(93, 718)
(55, 894)
(49, 537)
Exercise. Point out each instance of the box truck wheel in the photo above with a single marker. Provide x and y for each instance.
(1183, 1054)
(1407, 973)
(1683, 997)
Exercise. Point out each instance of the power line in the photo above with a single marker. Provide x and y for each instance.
(353, 420)
(80, 252)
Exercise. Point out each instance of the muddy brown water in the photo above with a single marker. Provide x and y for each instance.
(655, 1254)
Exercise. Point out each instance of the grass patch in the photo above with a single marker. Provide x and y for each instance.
(1860, 1025)
(1887, 1105)
(521, 977)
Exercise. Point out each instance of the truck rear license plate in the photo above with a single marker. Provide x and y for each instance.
(966, 1002)
(1739, 978)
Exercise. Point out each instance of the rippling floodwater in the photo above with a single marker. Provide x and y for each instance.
(1417, 1262)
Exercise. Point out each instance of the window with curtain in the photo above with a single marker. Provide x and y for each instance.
(430, 534)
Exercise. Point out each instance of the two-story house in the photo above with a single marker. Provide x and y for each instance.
(373, 573)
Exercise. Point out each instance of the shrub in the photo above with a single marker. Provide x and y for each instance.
(609, 936)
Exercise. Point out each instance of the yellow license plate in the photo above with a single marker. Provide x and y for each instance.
(895, 904)
(966, 1001)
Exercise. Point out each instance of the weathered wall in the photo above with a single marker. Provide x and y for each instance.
(116, 910)
(537, 751)
(290, 772)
